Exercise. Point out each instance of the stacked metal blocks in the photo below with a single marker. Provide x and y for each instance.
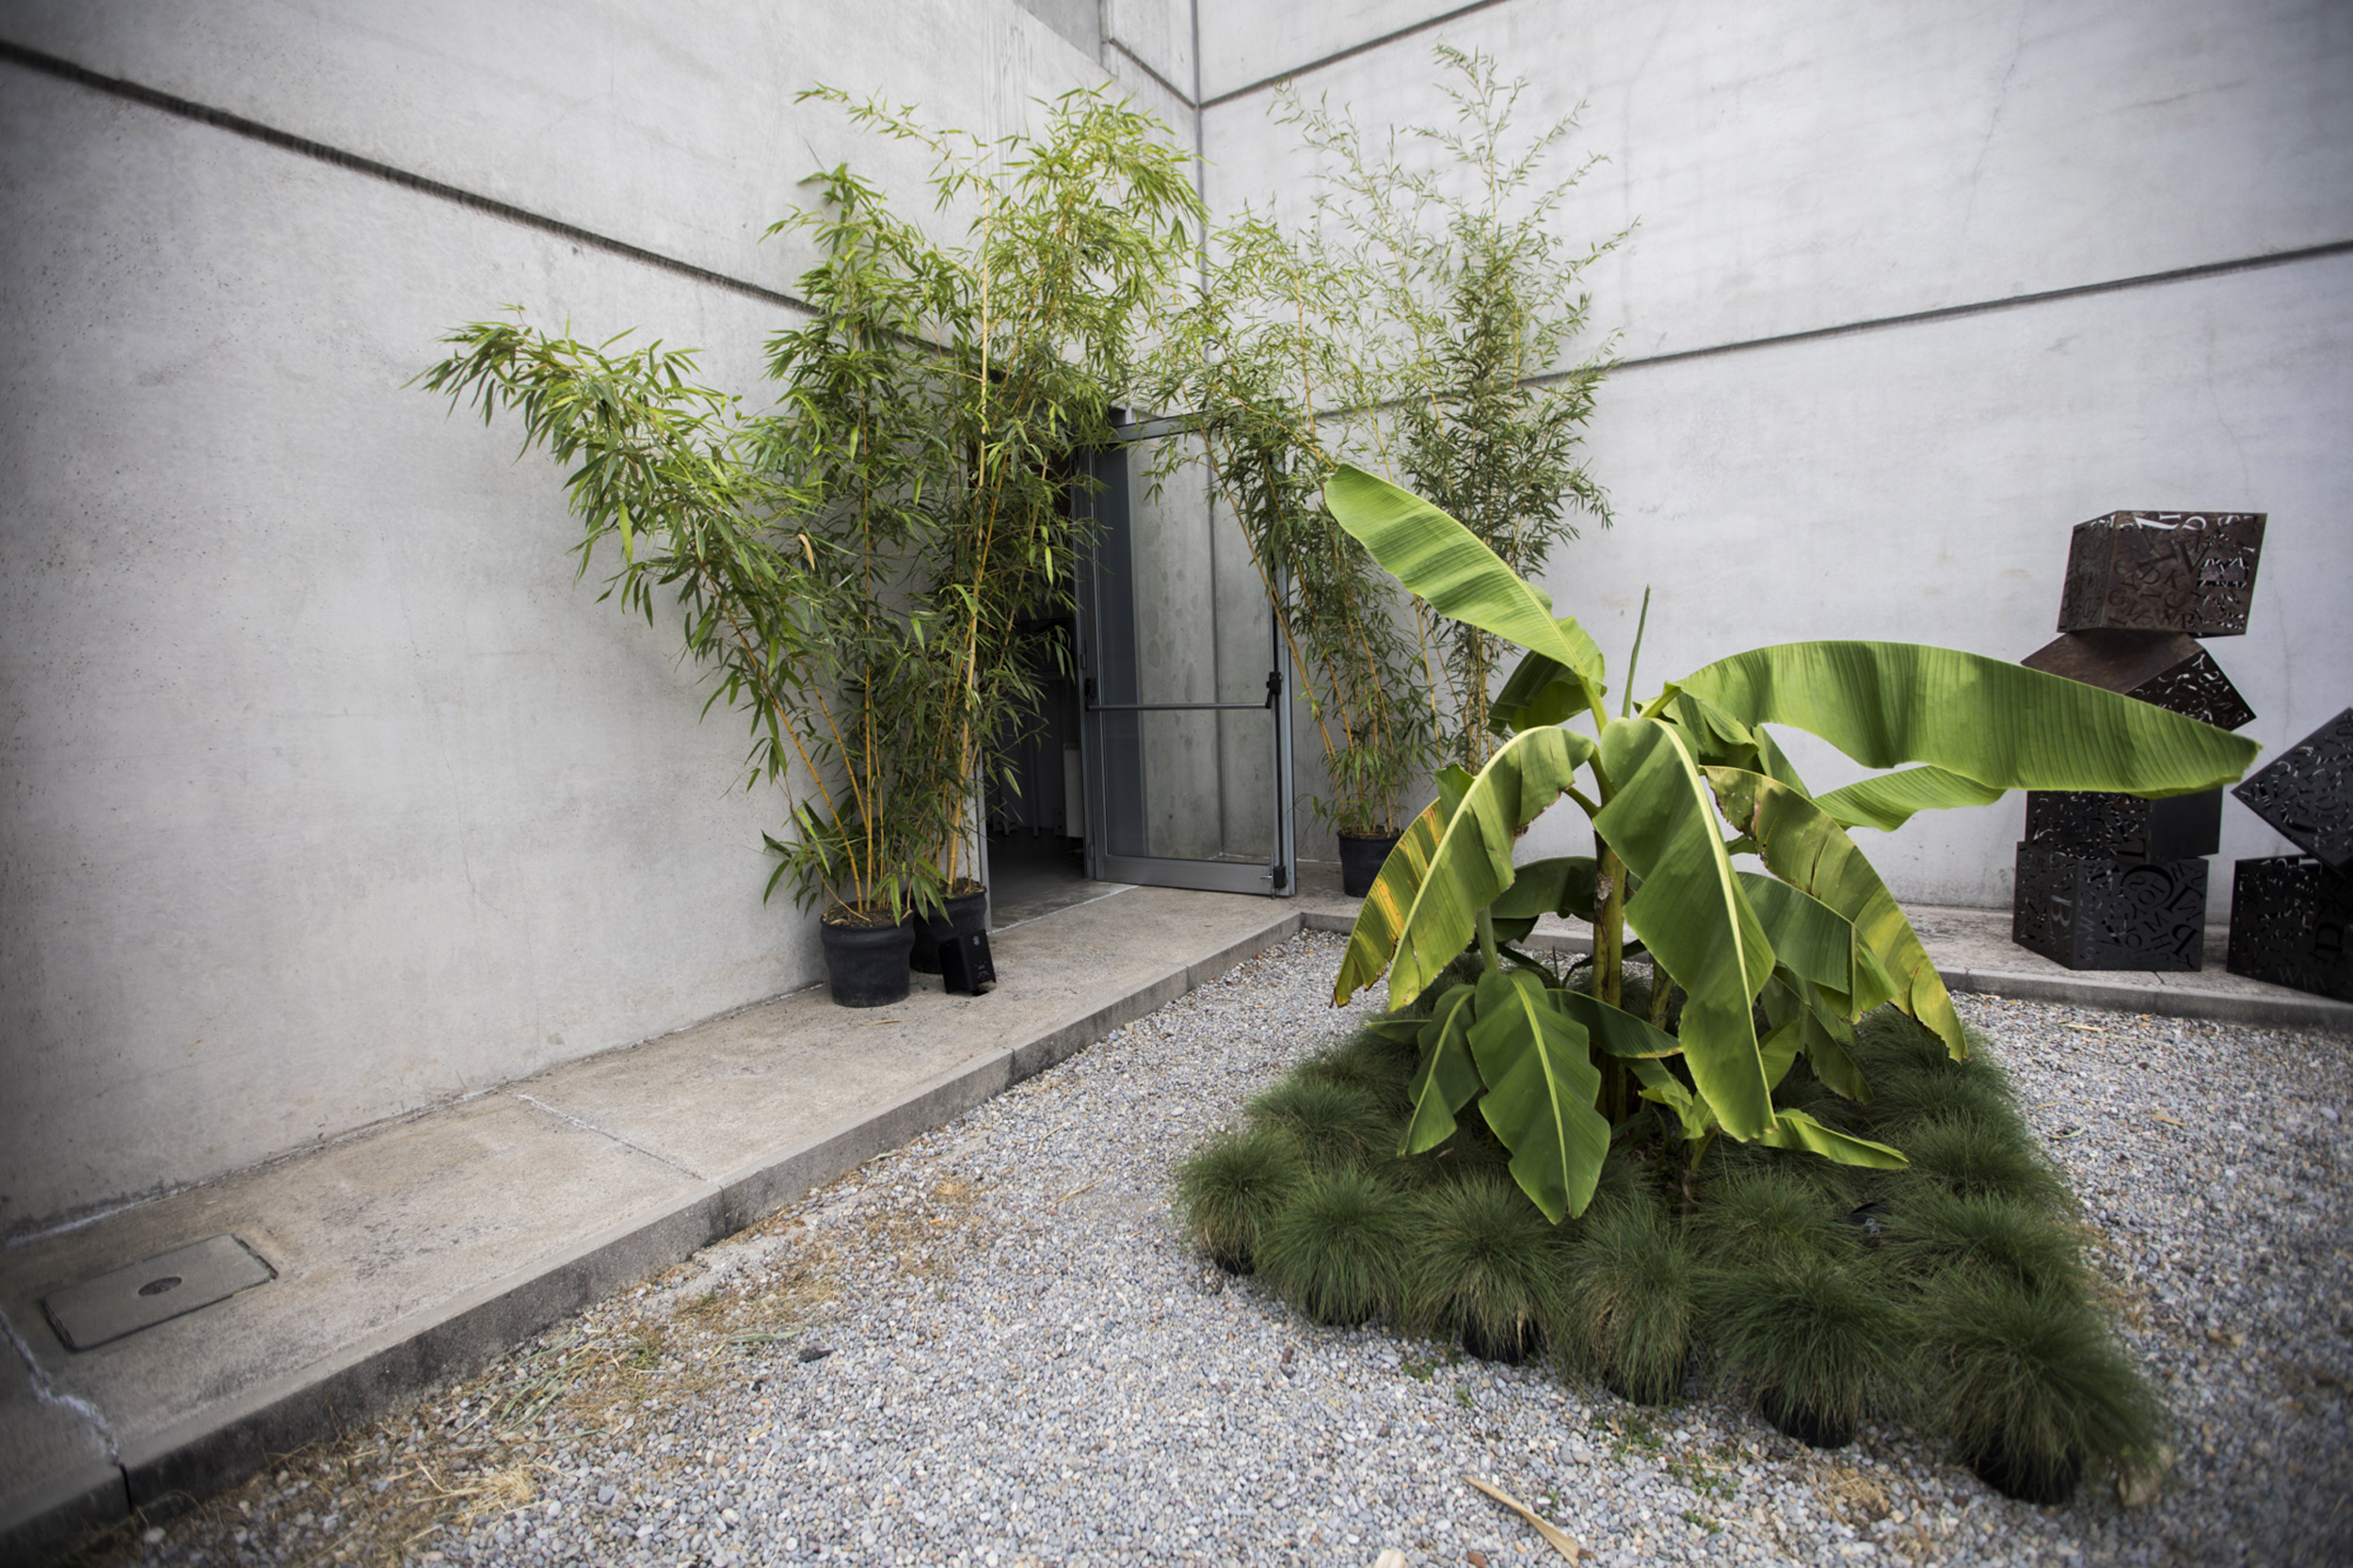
(2289, 913)
(2115, 882)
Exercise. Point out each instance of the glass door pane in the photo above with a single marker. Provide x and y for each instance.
(1186, 727)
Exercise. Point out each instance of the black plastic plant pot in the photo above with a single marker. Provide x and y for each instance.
(1510, 1349)
(967, 915)
(2045, 1485)
(1360, 861)
(866, 966)
(1797, 1419)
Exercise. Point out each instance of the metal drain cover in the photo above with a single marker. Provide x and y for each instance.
(150, 1292)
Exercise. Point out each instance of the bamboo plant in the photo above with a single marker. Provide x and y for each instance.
(1465, 299)
(1271, 356)
(854, 564)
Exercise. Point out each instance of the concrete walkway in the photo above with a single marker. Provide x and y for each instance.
(414, 1252)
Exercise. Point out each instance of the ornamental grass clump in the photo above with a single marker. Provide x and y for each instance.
(1333, 1126)
(1816, 1340)
(1629, 1301)
(1973, 1159)
(1769, 1214)
(1232, 1187)
(1335, 1248)
(1484, 1266)
(2028, 1383)
(1927, 1230)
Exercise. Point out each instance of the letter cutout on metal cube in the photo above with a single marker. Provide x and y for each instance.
(2306, 793)
(2191, 573)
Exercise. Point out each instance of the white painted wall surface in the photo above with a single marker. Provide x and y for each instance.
(328, 792)
(1793, 168)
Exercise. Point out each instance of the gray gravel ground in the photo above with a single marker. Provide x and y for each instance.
(1024, 1363)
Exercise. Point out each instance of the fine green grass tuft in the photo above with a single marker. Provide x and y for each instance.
(1365, 1062)
(1229, 1189)
(2029, 1384)
(1971, 1159)
(1332, 1125)
(1335, 1248)
(1815, 1340)
(1628, 1302)
(1770, 1211)
(1929, 1229)
(1483, 1263)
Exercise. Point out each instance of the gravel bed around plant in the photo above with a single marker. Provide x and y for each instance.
(994, 1347)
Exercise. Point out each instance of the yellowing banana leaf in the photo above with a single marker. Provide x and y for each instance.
(1798, 1130)
(1447, 1079)
(1428, 914)
(1805, 848)
(1444, 562)
(1890, 800)
(1615, 1030)
(1691, 913)
(1999, 724)
(1540, 1085)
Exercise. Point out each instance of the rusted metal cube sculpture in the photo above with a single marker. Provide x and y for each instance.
(2289, 916)
(2168, 669)
(2307, 793)
(2191, 573)
(2125, 828)
(2086, 912)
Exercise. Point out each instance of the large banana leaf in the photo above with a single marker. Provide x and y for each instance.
(1447, 1079)
(1998, 724)
(1890, 800)
(1468, 865)
(1805, 848)
(1691, 913)
(1616, 1030)
(1445, 563)
(1810, 936)
(1381, 916)
(1540, 1084)
(1563, 886)
(1798, 1130)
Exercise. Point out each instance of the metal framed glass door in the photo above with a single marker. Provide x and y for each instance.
(1185, 719)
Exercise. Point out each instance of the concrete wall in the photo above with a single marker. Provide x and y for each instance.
(328, 792)
(1804, 168)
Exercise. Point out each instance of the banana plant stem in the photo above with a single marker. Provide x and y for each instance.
(1487, 943)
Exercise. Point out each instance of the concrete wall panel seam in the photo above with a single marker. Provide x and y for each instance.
(1950, 313)
(32, 59)
(1351, 52)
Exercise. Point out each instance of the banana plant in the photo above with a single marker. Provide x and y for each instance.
(1679, 789)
